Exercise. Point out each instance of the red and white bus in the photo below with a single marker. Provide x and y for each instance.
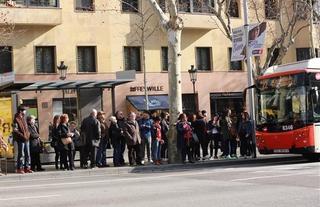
(288, 109)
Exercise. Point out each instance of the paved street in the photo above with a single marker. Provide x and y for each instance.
(292, 182)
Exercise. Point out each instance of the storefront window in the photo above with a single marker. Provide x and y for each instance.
(189, 103)
(32, 106)
(65, 106)
(221, 101)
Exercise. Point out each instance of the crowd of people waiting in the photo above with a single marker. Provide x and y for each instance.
(145, 136)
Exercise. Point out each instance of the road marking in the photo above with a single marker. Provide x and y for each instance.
(108, 181)
(271, 176)
(53, 178)
(28, 197)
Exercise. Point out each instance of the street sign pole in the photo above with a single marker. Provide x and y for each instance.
(249, 72)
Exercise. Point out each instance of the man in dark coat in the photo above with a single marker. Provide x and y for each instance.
(121, 123)
(21, 136)
(91, 128)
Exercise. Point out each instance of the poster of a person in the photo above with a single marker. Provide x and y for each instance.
(256, 38)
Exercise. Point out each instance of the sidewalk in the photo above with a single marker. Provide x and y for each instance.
(52, 173)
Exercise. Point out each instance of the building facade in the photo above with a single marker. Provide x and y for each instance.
(97, 38)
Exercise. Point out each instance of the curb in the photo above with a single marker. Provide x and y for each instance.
(265, 160)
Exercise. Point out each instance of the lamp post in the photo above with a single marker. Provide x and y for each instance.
(62, 68)
(193, 78)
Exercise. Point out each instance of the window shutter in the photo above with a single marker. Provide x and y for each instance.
(80, 60)
(38, 60)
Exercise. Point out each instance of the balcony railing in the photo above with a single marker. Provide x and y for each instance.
(30, 3)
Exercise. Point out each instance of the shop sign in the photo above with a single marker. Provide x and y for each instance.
(149, 88)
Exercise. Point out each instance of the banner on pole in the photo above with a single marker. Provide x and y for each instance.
(256, 37)
(238, 44)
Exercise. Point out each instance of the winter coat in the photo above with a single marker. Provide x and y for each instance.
(184, 135)
(63, 133)
(226, 125)
(164, 129)
(91, 128)
(200, 129)
(245, 129)
(55, 136)
(20, 132)
(104, 130)
(156, 132)
(132, 133)
(145, 128)
(122, 124)
(115, 133)
(35, 142)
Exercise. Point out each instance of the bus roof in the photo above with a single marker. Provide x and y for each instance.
(305, 65)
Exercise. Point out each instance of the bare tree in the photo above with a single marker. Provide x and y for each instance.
(172, 25)
(143, 29)
(6, 28)
(291, 17)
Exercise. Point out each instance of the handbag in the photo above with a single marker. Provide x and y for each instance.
(195, 137)
(95, 142)
(66, 141)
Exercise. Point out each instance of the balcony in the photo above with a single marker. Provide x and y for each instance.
(32, 12)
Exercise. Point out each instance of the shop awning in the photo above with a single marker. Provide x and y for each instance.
(66, 84)
(156, 102)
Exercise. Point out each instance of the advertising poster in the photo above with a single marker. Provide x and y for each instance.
(6, 127)
(238, 44)
(256, 37)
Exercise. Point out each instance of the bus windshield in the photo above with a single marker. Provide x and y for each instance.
(282, 102)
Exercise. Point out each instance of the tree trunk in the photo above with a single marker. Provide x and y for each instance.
(175, 99)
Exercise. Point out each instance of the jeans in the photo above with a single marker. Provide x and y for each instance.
(146, 145)
(156, 150)
(23, 160)
(101, 159)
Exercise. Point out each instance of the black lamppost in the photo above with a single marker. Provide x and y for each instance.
(62, 68)
(193, 78)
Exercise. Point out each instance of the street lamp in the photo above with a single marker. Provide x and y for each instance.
(193, 78)
(62, 68)
(63, 75)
